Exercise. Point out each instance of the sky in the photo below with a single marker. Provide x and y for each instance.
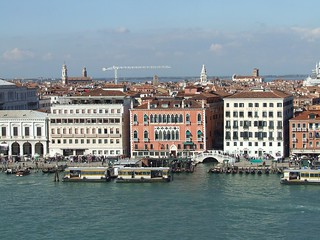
(229, 36)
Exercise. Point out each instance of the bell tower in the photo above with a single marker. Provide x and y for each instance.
(203, 75)
(64, 76)
(84, 72)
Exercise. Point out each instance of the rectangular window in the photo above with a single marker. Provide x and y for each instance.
(39, 132)
(3, 131)
(27, 131)
(15, 131)
(270, 114)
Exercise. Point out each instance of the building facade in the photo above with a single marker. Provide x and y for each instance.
(305, 133)
(170, 128)
(24, 133)
(13, 97)
(256, 122)
(96, 123)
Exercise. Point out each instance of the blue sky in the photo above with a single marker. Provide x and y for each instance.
(228, 36)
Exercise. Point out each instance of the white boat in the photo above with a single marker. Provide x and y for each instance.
(88, 174)
(300, 176)
(143, 174)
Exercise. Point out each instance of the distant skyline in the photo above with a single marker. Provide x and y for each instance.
(229, 37)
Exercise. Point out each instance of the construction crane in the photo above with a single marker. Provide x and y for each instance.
(116, 68)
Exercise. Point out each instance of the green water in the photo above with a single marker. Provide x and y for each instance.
(193, 206)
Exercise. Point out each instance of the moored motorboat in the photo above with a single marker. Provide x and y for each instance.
(11, 171)
(301, 176)
(143, 174)
(88, 174)
(23, 172)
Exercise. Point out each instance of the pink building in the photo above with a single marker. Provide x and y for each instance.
(177, 128)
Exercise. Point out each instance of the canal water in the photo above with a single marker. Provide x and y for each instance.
(193, 206)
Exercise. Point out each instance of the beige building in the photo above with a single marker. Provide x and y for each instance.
(256, 122)
(95, 123)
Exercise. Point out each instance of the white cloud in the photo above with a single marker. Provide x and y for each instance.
(121, 30)
(216, 47)
(311, 34)
(47, 56)
(17, 54)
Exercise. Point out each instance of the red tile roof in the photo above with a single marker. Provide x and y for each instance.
(101, 92)
(260, 94)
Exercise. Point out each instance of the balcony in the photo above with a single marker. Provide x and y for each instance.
(136, 139)
(79, 135)
(294, 140)
(228, 126)
(260, 127)
(245, 126)
(146, 139)
(200, 139)
(279, 138)
(294, 129)
(270, 138)
(115, 135)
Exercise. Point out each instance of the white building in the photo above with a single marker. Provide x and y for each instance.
(24, 132)
(256, 122)
(95, 123)
(13, 97)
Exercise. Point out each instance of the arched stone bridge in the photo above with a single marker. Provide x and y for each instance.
(216, 154)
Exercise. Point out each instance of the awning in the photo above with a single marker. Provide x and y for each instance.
(188, 143)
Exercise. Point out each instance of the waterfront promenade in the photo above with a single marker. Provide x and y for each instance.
(39, 165)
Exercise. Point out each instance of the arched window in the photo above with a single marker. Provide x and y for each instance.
(145, 135)
(177, 135)
(187, 118)
(156, 135)
(199, 118)
(164, 118)
(151, 118)
(160, 135)
(160, 118)
(164, 135)
(135, 134)
(168, 135)
(199, 134)
(172, 118)
(135, 118)
(173, 135)
(188, 135)
(155, 118)
(180, 118)
(168, 118)
(145, 118)
(176, 118)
